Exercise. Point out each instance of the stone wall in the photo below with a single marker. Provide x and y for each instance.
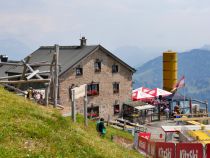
(106, 99)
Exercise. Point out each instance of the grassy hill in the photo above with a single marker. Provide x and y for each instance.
(29, 130)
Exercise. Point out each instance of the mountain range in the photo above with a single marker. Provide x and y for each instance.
(14, 48)
(193, 64)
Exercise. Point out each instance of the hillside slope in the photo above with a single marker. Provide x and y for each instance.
(28, 130)
(194, 65)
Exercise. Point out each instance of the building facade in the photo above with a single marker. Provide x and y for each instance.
(109, 84)
(108, 79)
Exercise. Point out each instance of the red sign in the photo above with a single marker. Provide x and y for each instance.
(165, 150)
(207, 150)
(151, 148)
(184, 150)
(143, 143)
(145, 135)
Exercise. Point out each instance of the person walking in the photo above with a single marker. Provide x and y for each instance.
(167, 113)
(101, 128)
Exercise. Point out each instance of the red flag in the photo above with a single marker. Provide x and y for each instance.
(181, 83)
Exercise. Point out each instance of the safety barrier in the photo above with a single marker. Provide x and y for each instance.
(173, 150)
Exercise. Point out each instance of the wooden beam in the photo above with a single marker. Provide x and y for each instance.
(31, 69)
(31, 64)
(56, 76)
(24, 70)
(26, 81)
(16, 76)
(73, 106)
(32, 74)
(11, 64)
(45, 61)
(47, 94)
(25, 67)
(15, 89)
(51, 89)
(192, 119)
(85, 107)
(53, 61)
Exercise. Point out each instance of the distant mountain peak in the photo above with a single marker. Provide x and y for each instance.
(206, 47)
(14, 48)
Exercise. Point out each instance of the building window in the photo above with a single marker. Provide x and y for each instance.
(97, 65)
(115, 68)
(93, 111)
(93, 89)
(79, 71)
(116, 86)
(116, 109)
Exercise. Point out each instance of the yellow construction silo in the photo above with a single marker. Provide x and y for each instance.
(169, 70)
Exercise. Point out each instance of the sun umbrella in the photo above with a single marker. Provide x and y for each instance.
(141, 94)
(157, 92)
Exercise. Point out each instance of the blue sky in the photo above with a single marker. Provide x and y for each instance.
(150, 25)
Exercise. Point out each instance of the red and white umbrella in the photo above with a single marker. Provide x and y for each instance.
(157, 92)
(141, 94)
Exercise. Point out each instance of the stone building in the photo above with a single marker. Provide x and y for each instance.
(109, 79)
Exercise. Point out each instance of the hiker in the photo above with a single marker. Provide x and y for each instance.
(167, 112)
(30, 93)
(101, 127)
(177, 109)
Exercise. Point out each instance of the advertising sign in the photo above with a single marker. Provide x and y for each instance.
(151, 148)
(207, 150)
(79, 91)
(145, 135)
(165, 150)
(189, 150)
(143, 143)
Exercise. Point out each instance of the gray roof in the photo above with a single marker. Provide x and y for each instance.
(5, 68)
(69, 56)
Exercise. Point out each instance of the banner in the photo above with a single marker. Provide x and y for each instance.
(165, 150)
(79, 91)
(145, 135)
(185, 150)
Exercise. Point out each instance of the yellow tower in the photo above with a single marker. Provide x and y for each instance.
(169, 70)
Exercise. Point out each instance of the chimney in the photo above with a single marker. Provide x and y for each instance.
(83, 41)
